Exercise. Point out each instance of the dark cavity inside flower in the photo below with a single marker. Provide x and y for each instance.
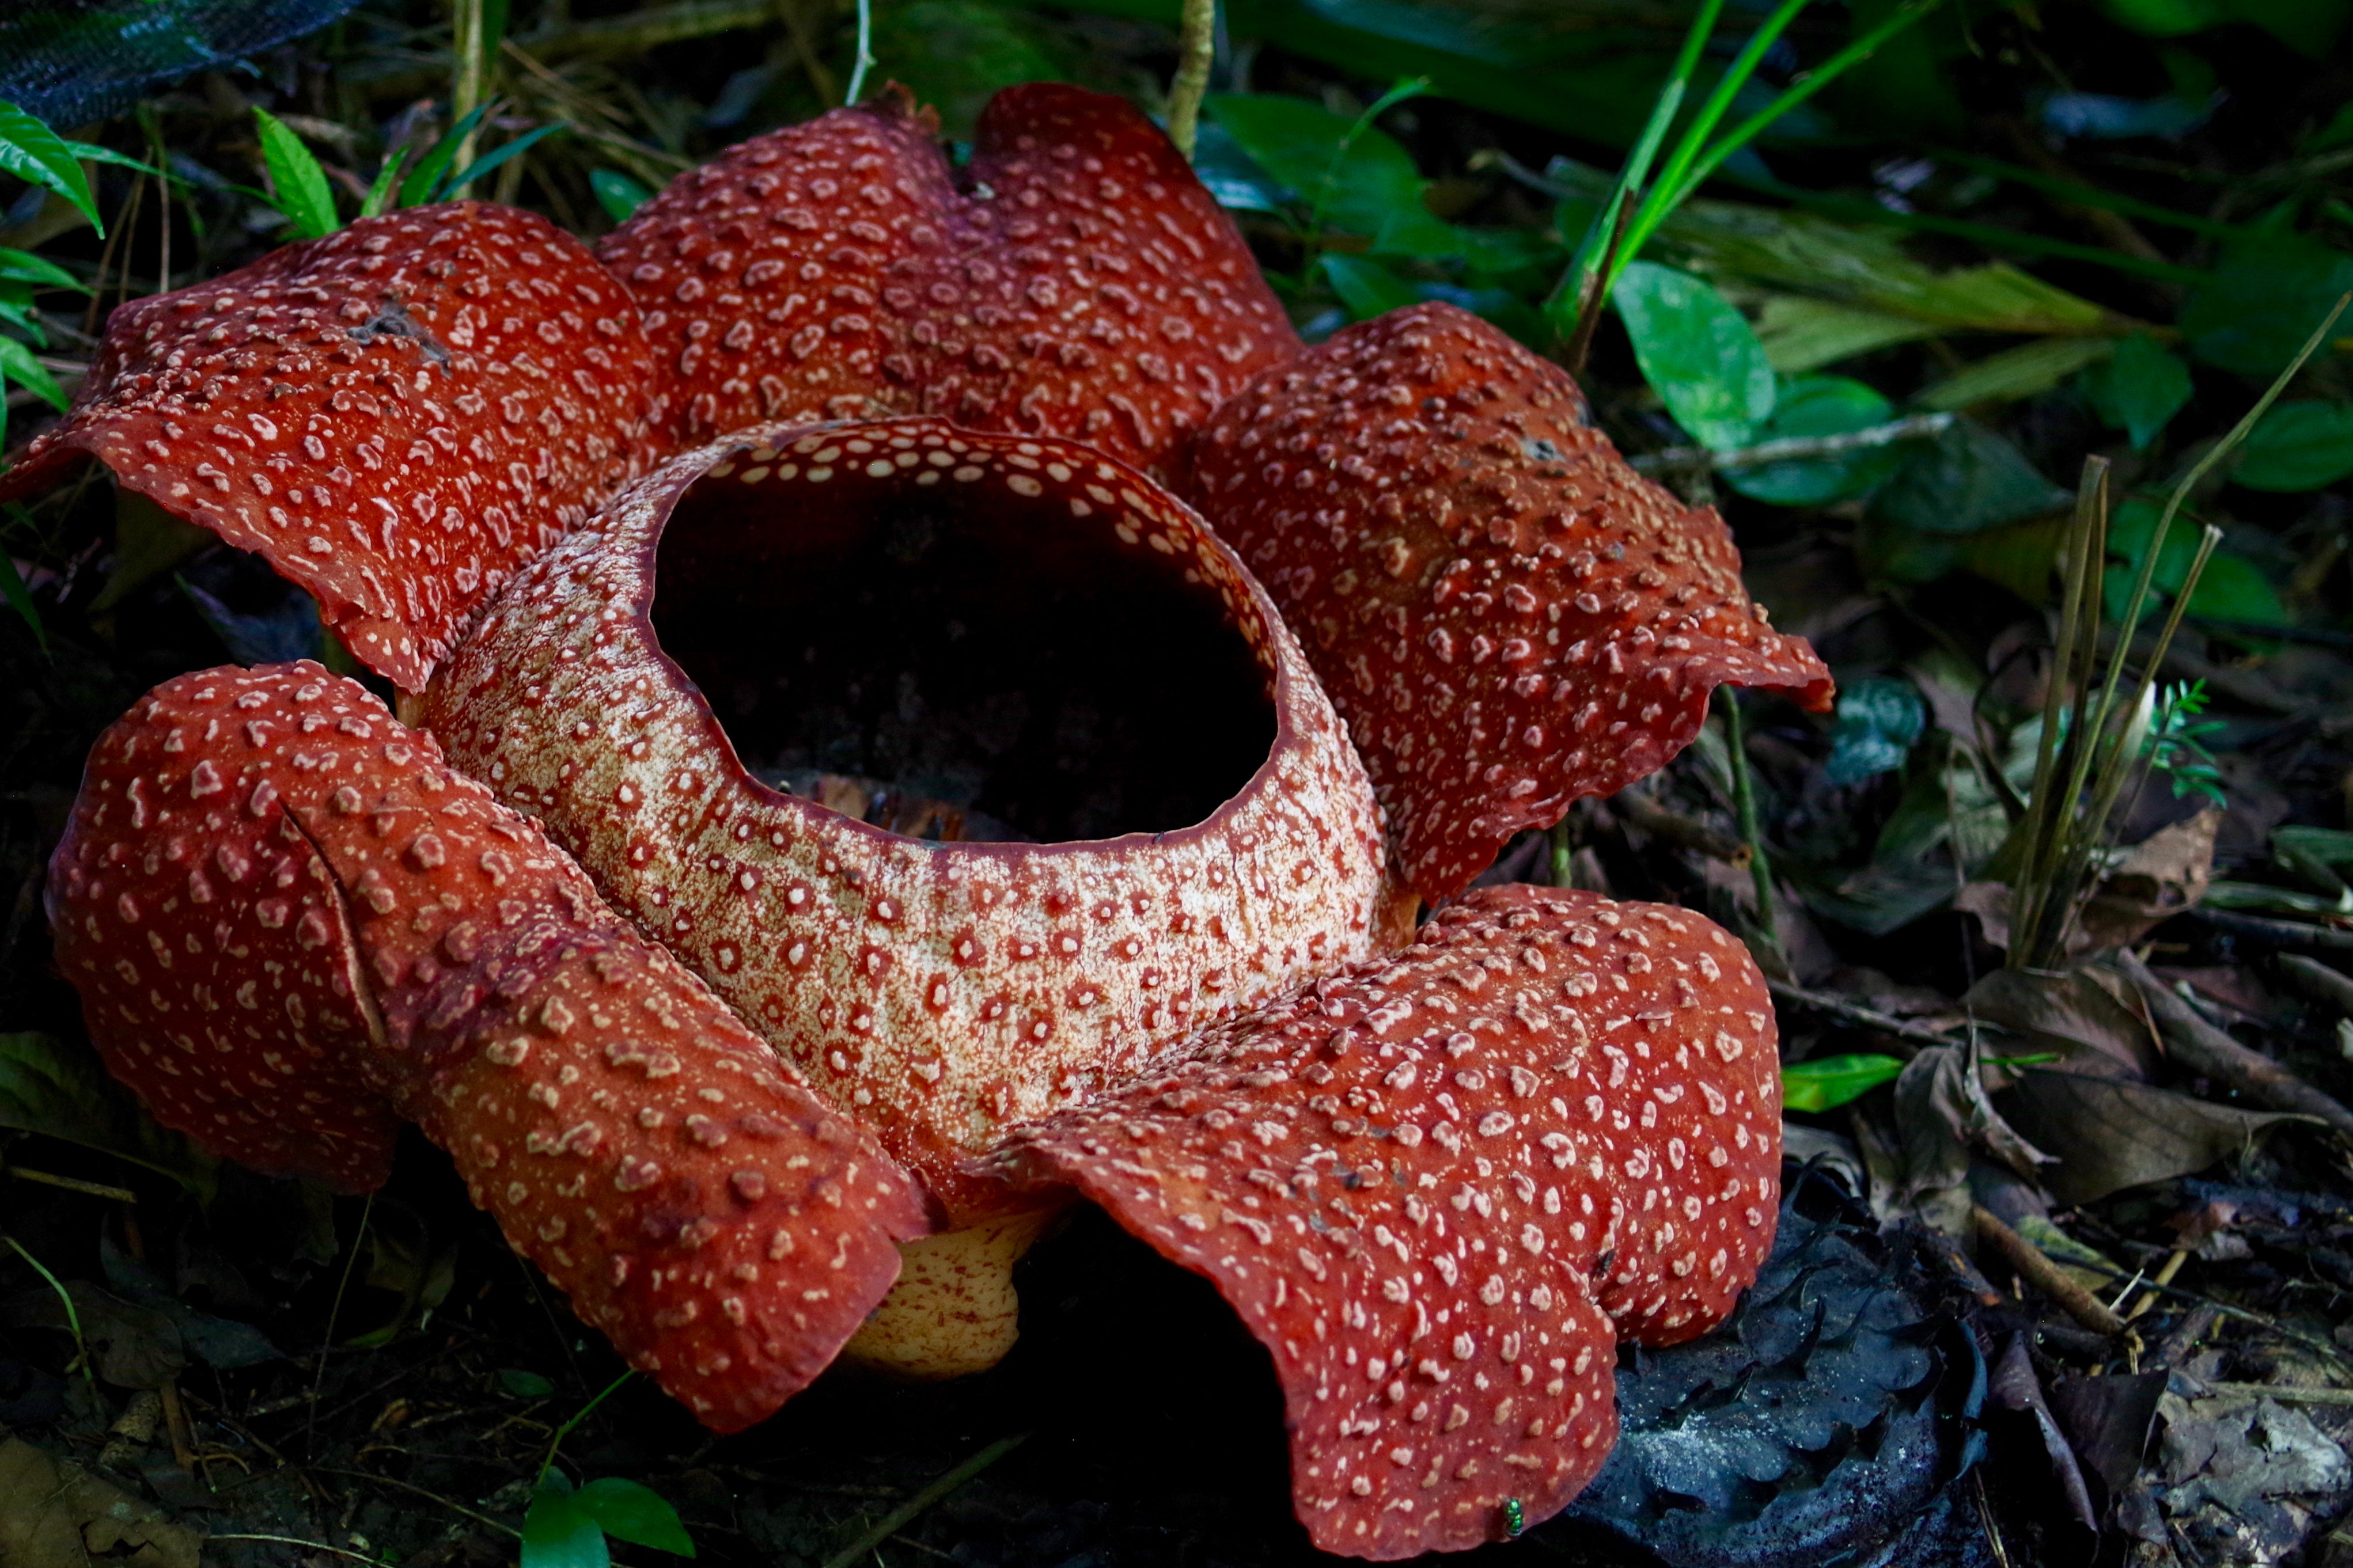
(957, 642)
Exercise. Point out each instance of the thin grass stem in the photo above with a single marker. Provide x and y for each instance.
(65, 1299)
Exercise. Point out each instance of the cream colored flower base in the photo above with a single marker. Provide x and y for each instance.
(953, 1310)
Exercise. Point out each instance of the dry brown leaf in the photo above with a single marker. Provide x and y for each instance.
(2082, 1014)
(1941, 1111)
(55, 1514)
(2165, 874)
(2109, 1134)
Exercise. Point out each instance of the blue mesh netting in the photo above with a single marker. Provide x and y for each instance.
(71, 62)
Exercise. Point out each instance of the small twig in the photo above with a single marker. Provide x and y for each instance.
(1197, 50)
(307, 1546)
(2283, 1394)
(898, 1518)
(2201, 1047)
(2286, 935)
(1793, 448)
(2323, 984)
(75, 1184)
(2045, 1276)
(457, 1508)
(1855, 1012)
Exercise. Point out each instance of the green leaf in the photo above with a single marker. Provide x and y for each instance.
(525, 1384)
(1879, 717)
(2140, 387)
(380, 193)
(38, 155)
(2298, 446)
(557, 1532)
(2023, 371)
(25, 266)
(1802, 334)
(1967, 480)
(2269, 294)
(2231, 588)
(955, 54)
(1365, 286)
(637, 1514)
(1829, 1082)
(617, 194)
(489, 161)
(425, 179)
(1366, 186)
(1820, 405)
(61, 1090)
(1698, 352)
(299, 186)
(18, 364)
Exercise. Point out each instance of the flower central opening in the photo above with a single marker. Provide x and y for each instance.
(959, 650)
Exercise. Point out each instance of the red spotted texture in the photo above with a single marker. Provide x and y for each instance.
(1506, 613)
(1441, 1186)
(396, 415)
(1074, 280)
(293, 927)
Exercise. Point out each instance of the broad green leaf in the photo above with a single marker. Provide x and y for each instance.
(489, 161)
(61, 1090)
(423, 181)
(2269, 294)
(1967, 480)
(1698, 352)
(525, 1384)
(1365, 286)
(1828, 1082)
(1820, 405)
(557, 1532)
(2139, 388)
(2231, 588)
(19, 364)
(2299, 446)
(299, 186)
(1879, 718)
(955, 54)
(617, 194)
(1366, 186)
(637, 1514)
(2026, 371)
(148, 543)
(92, 152)
(24, 265)
(38, 155)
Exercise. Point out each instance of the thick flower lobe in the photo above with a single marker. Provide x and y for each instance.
(397, 415)
(1074, 279)
(938, 991)
(293, 927)
(1440, 1187)
(1506, 613)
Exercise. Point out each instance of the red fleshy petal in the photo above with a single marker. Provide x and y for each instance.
(1441, 1186)
(292, 926)
(1074, 280)
(397, 415)
(1506, 613)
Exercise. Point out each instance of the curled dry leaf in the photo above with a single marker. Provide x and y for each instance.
(293, 927)
(2107, 1134)
(1506, 613)
(1441, 1187)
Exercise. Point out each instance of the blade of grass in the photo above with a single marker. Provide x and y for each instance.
(418, 187)
(456, 190)
(1711, 114)
(20, 599)
(2078, 610)
(1579, 287)
(65, 1299)
(1672, 192)
(1411, 86)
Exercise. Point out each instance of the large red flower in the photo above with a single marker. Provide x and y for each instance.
(708, 1048)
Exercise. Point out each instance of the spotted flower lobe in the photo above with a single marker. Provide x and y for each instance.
(294, 927)
(1506, 613)
(1441, 1186)
(396, 415)
(1074, 279)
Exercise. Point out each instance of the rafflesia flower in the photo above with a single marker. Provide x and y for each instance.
(835, 461)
